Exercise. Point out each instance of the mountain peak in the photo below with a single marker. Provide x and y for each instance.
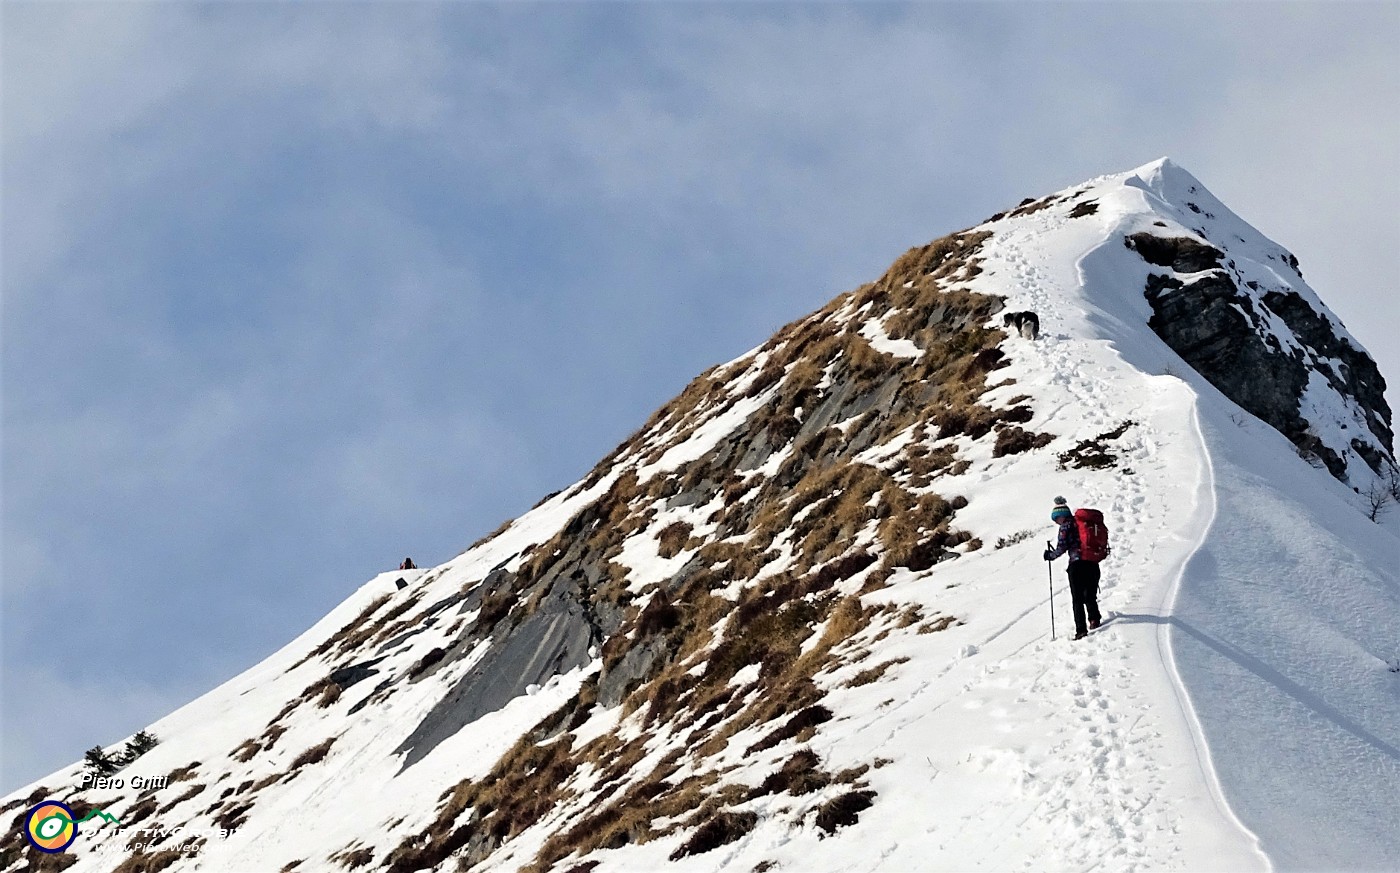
(812, 584)
(1164, 171)
(1232, 304)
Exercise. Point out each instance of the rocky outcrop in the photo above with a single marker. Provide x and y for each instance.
(555, 638)
(1350, 371)
(1227, 333)
(1181, 254)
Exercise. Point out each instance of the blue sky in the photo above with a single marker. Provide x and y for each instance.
(292, 291)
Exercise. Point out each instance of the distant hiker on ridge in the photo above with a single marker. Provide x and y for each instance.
(408, 564)
(1083, 561)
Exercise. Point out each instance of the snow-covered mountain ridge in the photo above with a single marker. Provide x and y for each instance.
(799, 620)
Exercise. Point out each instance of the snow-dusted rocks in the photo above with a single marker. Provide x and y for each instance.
(1242, 316)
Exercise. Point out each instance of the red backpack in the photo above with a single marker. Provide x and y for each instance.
(1093, 535)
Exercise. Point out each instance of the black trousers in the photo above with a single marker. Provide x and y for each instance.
(1084, 589)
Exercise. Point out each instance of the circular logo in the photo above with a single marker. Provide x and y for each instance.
(50, 826)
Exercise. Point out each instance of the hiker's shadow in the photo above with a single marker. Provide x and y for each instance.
(1261, 669)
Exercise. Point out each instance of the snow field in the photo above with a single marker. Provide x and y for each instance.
(1286, 617)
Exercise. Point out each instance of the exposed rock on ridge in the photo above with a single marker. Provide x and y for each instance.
(1226, 329)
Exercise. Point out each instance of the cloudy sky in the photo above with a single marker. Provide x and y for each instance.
(292, 291)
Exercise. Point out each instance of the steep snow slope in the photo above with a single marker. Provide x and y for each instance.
(863, 697)
(1285, 634)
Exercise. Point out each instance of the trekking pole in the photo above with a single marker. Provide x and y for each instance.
(1050, 571)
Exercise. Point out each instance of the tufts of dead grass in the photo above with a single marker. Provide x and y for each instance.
(1013, 440)
(720, 829)
(313, 755)
(672, 539)
(844, 810)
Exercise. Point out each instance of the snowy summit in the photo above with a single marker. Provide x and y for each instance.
(802, 620)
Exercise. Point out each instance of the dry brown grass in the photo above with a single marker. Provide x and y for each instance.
(183, 774)
(720, 829)
(1013, 440)
(189, 793)
(872, 674)
(233, 817)
(139, 812)
(313, 755)
(246, 750)
(426, 663)
(672, 539)
(944, 258)
(801, 726)
(1094, 454)
(497, 532)
(324, 691)
(386, 629)
(269, 780)
(532, 779)
(942, 622)
(767, 378)
(686, 622)
(495, 606)
(351, 635)
(844, 810)
(800, 774)
(272, 735)
(762, 633)
(354, 859)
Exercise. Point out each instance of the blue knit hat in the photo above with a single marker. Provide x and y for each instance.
(1061, 513)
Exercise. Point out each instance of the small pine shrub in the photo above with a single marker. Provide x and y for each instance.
(99, 763)
(139, 745)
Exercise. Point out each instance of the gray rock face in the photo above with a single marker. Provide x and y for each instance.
(1356, 376)
(635, 666)
(1221, 330)
(554, 639)
(347, 676)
